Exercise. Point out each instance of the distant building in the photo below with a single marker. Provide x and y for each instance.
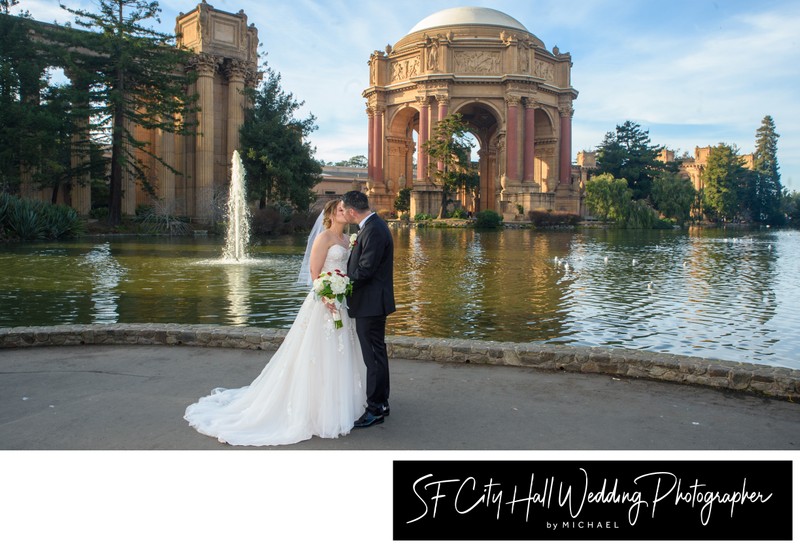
(336, 180)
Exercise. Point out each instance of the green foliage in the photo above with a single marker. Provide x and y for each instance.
(354, 161)
(543, 218)
(673, 196)
(422, 217)
(790, 208)
(278, 159)
(451, 146)
(641, 215)
(272, 220)
(403, 200)
(766, 191)
(458, 213)
(126, 74)
(23, 219)
(99, 213)
(608, 197)
(488, 219)
(627, 154)
(725, 180)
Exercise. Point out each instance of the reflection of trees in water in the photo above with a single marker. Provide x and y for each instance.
(463, 283)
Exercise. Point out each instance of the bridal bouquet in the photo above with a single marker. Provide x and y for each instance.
(332, 288)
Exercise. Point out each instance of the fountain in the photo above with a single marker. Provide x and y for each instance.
(238, 236)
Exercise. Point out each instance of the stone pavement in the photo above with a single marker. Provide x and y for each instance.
(133, 397)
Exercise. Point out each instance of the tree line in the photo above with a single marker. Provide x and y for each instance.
(633, 188)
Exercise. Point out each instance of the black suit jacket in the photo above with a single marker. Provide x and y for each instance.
(370, 267)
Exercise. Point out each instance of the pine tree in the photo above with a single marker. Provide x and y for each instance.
(725, 181)
(627, 154)
(135, 76)
(767, 189)
(277, 156)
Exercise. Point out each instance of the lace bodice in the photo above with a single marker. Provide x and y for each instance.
(336, 259)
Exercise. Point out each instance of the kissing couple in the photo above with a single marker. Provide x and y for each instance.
(323, 380)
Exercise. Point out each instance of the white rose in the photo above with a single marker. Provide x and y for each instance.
(338, 284)
(318, 284)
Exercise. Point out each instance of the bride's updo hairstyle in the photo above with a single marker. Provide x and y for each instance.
(328, 212)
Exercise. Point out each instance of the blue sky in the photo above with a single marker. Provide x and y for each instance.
(691, 72)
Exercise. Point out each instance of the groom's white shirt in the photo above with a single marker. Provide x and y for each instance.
(364, 220)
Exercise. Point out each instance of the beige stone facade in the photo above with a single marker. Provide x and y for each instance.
(226, 61)
(514, 94)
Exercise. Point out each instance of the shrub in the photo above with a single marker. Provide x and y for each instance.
(540, 218)
(458, 213)
(99, 213)
(23, 219)
(488, 219)
(422, 217)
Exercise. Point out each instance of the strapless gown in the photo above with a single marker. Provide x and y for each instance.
(312, 386)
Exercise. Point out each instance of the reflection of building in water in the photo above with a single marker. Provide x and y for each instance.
(106, 276)
(238, 293)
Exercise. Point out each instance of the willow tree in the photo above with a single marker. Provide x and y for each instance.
(130, 75)
(451, 147)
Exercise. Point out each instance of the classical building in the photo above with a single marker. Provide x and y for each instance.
(226, 62)
(692, 168)
(514, 94)
(336, 180)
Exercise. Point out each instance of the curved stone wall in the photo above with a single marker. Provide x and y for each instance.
(774, 382)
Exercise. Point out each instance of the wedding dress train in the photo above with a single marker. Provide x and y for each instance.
(313, 385)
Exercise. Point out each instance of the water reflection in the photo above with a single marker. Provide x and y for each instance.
(106, 274)
(238, 294)
(712, 293)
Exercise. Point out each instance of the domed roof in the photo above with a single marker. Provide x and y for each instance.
(468, 16)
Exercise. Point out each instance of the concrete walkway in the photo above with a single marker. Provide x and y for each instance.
(133, 397)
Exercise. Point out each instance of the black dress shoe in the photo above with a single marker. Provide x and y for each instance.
(367, 419)
(385, 409)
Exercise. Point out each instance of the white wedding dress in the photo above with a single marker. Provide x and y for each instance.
(312, 386)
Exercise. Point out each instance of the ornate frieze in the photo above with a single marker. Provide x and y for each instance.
(477, 62)
(543, 70)
(404, 69)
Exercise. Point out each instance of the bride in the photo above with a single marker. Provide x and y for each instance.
(314, 383)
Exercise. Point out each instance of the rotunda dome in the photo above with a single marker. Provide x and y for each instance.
(465, 16)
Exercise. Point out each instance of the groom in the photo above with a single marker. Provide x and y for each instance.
(370, 268)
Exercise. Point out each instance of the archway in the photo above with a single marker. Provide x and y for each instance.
(484, 123)
(515, 95)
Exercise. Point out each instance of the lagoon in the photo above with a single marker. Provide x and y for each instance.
(720, 293)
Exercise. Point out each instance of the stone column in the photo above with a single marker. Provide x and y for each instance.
(166, 177)
(81, 192)
(565, 152)
(512, 140)
(422, 156)
(128, 202)
(528, 147)
(443, 102)
(371, 145)
(206, 66)
(378, 140)
(235, 71)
